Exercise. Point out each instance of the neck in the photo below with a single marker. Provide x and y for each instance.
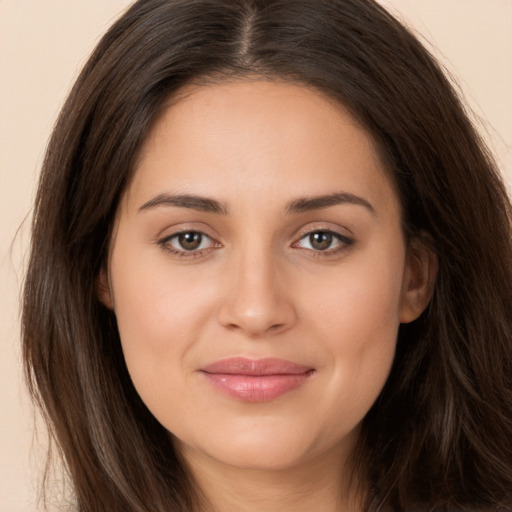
(320, 483)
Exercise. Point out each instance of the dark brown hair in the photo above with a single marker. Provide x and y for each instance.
(440, 435)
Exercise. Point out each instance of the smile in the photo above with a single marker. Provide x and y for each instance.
(256, 380)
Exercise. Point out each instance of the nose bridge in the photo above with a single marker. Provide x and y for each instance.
(257, 301)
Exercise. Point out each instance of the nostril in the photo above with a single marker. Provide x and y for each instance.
(276, 327)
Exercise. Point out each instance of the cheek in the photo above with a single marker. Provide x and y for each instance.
(356, 317)
(159, 316)
(359, 305)
(154, 299)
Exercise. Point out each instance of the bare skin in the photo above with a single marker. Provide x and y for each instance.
(260, 226)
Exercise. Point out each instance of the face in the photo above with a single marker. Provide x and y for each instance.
(259, 273)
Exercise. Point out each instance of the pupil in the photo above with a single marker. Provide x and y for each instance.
(320, 241)
(190, 241)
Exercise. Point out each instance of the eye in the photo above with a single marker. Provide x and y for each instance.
(187, 243)
(324, 241)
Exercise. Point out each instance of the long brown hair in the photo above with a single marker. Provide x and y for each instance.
(440, 435)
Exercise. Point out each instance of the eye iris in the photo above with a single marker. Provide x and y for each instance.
(190, 241)
(320, 240)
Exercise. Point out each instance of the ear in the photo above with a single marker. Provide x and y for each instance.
(419, 277)
(104, 290)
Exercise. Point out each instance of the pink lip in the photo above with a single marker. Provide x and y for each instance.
(256, 380)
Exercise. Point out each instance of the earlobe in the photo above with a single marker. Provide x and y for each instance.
(103, 289)
(418, 283)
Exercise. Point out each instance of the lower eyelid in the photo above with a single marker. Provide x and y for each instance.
(185, 254)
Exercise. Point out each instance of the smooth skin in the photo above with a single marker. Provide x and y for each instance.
(260, 222)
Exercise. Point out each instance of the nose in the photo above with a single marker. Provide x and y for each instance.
(257, 301)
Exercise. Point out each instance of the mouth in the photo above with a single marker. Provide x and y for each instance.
(256, 380)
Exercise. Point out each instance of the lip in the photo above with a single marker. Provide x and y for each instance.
(256, 380)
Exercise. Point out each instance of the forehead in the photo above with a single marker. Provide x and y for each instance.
(242, 136)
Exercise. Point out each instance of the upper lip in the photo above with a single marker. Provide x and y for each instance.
(255, 367)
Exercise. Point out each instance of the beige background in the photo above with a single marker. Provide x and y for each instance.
(43, 45)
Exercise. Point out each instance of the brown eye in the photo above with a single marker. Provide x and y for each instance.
(190, 241)
(324, 241)
(320, 240)
(189, 244)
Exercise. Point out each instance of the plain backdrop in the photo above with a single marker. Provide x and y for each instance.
(43, 45)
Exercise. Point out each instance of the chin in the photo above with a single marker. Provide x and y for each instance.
(267, 447)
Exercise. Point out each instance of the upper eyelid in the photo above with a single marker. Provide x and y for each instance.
(344, 239)
(181, 231)
(299, 234)
(296, 236)
(185, 227)
(166, 238)
(341, 231)
(322, 230)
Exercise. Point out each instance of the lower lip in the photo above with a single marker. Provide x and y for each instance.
(256, 388)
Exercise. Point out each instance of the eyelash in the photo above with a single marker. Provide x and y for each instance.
(344, 243)
(182, 253)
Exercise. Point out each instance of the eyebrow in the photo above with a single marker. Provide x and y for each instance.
(319, 202)
(193, 202)
(301, 205)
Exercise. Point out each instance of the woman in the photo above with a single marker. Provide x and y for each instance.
(271, 269)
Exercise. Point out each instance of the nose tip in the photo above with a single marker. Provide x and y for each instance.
(258, 304)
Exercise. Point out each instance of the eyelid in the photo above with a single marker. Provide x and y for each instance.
(345, 241)
(164, 243)
(184, 227)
